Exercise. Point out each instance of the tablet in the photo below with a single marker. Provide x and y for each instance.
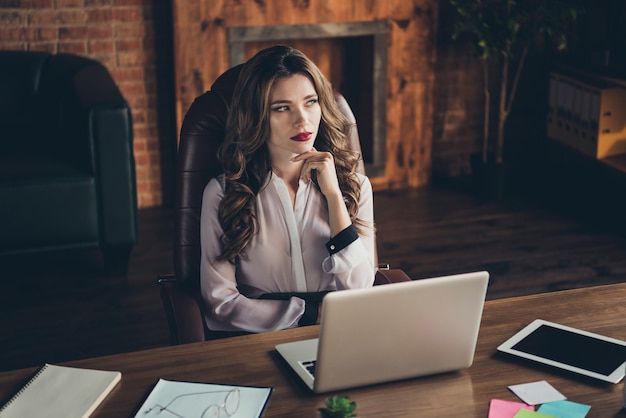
(571, 349)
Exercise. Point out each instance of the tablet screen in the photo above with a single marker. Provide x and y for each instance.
(573, 349)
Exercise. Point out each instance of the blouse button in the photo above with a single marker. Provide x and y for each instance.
(332, 247)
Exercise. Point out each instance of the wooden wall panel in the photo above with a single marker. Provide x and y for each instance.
(201, 55)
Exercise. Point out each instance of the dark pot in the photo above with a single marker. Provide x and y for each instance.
(489, 179)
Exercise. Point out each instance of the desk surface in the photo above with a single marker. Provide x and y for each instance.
(250, 360)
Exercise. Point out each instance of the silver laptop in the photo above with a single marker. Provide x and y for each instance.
(392, 332)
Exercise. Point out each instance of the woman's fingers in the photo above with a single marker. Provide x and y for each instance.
(324, 166)
(314, 160)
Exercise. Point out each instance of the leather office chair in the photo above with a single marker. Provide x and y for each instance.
(67, 174)
(201, 134)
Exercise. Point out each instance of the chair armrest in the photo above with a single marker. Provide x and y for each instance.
(183, 311)
(390, 276)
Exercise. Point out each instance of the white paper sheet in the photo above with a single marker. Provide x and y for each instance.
(190, 400)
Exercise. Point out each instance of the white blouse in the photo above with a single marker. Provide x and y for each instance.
(288, 254)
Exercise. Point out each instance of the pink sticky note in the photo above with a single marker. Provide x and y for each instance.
(499, 408)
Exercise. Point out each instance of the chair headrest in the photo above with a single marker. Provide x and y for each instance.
(224, 85)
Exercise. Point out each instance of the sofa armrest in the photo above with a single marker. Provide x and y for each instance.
(111, 130)
(103, 120)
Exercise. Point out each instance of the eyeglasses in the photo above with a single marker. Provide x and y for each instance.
(229, 405)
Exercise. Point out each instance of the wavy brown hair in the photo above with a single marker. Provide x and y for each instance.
(244, 155)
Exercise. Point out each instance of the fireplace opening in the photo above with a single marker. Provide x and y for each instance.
(353, 58)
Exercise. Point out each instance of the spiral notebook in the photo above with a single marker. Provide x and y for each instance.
(60, 391)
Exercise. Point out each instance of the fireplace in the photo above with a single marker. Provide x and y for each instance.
(353, 56)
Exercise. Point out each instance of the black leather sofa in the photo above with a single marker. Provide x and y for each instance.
(67, 173)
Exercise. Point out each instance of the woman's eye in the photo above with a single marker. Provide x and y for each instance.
(280, 109)
(311, 102)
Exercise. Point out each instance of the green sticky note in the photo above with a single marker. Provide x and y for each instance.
(565, 409)
(525, 413)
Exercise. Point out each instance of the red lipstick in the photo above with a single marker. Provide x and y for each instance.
(302, 136)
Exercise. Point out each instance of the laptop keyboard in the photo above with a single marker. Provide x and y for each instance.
(309, 366)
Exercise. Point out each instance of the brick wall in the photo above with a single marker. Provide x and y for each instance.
(458, 115)
(459, 101)
(123, 35)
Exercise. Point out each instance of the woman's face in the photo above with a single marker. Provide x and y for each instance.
(295, 116)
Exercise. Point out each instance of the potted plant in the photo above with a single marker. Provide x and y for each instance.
(338, 407)
(501, 33)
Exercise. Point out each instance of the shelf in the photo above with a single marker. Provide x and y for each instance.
(618, 162)
(608, 170)
(590, 74)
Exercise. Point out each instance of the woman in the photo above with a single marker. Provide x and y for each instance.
(289, 215)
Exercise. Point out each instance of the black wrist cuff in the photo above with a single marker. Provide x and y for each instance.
(309, 317)
(342, 240)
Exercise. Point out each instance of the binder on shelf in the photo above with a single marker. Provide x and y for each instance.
(588, 115)
(60, 391)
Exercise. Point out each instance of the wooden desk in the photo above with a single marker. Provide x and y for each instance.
(250, 360)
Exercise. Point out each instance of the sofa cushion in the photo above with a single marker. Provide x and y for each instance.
(38, 189)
